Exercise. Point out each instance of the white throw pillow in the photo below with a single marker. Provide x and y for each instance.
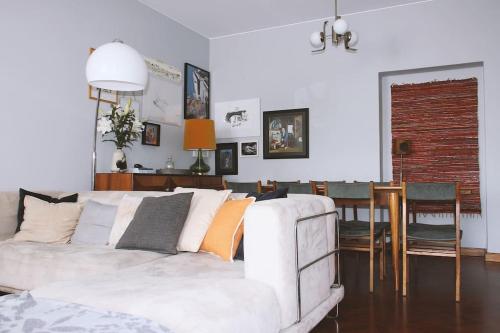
(204, 206)
(124, 215)
(46, 222)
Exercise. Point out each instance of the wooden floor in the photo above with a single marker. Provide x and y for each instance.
(430, 306)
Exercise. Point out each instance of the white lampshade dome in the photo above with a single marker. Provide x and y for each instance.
(117, 66)
(340, 26)
(315, 39)
(354, 39)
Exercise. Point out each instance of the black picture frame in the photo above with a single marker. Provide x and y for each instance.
(196, 93)
(151, 134)
(226, 159)
(286, 134)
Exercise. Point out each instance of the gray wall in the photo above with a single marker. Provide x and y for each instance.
(342, 89)
(47, 119)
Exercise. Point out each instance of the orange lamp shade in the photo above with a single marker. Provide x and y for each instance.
(199, 134)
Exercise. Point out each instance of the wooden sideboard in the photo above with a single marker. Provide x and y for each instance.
(153, 182)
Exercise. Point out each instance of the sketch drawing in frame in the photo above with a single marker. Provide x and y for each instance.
(237, 119)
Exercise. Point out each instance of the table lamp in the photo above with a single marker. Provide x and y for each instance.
(114, 66)
(199, 135)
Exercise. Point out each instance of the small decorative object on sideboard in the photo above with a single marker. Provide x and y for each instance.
(121, 127)
(226, 159)
(151, 134)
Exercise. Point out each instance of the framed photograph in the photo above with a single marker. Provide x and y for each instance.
(196, 92)
(226, 159)
(249, 149)
(286, 134)
(151, 134)
(237, 118)
(107, 96)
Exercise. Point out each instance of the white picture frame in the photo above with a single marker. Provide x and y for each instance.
(237, 119)
(248, 148)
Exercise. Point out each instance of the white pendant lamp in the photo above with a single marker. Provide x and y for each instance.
(118, 67)
(340, 33)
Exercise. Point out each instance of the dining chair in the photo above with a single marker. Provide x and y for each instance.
(245, 187)
(356, 235)
(443, 240)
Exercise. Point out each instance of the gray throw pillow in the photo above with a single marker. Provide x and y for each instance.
(157, 224)
(95, 224)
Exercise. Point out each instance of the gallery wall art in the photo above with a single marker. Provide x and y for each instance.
(236, 119)
(286, 134)
(196, 92)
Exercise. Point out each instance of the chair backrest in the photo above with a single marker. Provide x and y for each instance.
(279, 184)
(300, 188)
(243, 187)
(342, 190)
(431, 191)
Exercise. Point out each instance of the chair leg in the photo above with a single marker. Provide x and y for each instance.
(458, 277)
(372, 254)
(405, 273)
(381, 257)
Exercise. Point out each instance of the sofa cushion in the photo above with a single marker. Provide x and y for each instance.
(48, 222)
(95, 224)
(27, 265)
(226, 230)
(157, 224)
(23, 193)
(124, 215)
(204, 206)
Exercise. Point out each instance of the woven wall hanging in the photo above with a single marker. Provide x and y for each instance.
(440, 119)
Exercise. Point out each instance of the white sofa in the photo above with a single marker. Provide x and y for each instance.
(191, 292)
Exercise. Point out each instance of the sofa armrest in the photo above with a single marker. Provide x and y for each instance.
(9, 202)
(270, 250)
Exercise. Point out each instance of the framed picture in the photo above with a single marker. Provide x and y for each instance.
(226, 159)
(249, 149)
(151, 134)
(237, 118)
(286, 134)
(107, 96)
(196, 92)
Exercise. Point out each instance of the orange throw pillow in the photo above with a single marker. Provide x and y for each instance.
(226, 230)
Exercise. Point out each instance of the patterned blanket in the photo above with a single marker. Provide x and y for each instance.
(23, 313)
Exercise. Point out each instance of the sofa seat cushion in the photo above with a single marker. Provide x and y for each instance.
(27, 265)
(188, 292)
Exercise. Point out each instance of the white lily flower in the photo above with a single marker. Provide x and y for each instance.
(137, 127)
(127, 107)
(104, 125)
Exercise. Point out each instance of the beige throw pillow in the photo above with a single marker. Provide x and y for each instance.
(48, 222)
(204, 206)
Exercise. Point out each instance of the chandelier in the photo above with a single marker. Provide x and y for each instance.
(340, 35)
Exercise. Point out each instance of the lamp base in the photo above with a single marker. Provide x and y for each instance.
(199, 167)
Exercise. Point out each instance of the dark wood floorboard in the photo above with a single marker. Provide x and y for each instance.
(430, 306)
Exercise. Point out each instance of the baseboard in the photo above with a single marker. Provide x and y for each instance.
(492, 257)
(473, 252)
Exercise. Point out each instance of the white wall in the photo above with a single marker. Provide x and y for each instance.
(342, 89)
(47, 119)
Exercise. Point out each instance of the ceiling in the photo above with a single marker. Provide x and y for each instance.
(216, 18)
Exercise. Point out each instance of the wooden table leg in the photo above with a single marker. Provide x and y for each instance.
(394, 219)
